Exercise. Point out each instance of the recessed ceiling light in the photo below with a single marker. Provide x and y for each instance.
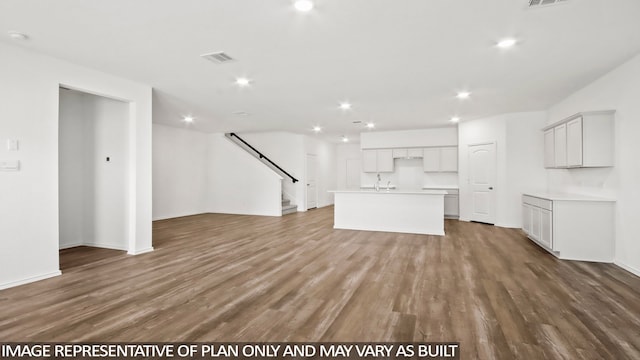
(303, 5)
(455, 119)
(317, 128)
(506, 43)
(371, 125)
(242, 81)
(345, 139)
(188, 119)
(463, 95)
(15, 35)
(345, 106)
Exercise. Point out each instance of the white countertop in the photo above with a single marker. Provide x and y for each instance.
(391, 192)
(556, 196)
(440, 187)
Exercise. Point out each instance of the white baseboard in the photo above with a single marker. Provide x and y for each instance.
(106, 246)
(68, 246)
(628, 268)
(30, 279)
(141, 251)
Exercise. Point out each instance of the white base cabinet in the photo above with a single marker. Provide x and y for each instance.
(571, 227)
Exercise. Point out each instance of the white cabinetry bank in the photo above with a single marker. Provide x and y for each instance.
(572, 227)
(582, 140)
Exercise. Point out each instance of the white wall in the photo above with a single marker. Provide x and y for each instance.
(618, 90)
(179, 172)
(288, 151)
(94, 192)
(238, 183)
(29, 113)
(519, 161)
(409, 138)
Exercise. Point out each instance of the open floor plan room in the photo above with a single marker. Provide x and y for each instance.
(295, 279)
(458, 174)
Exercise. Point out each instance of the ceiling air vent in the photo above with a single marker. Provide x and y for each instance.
(218, 57)
(537, 3)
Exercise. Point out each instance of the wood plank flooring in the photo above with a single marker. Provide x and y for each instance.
(217, 277)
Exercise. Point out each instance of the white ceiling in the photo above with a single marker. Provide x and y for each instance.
(399, 62)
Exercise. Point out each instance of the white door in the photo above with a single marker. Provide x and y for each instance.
(482, 178)
(312, 191)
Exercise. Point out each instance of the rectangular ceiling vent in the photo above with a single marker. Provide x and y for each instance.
(218, 57)
(538, 3)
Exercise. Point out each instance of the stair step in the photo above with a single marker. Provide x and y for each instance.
(289, 209)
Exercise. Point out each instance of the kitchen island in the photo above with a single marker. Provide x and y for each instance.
(414, 212)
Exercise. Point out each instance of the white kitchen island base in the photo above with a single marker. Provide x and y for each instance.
(414, 212)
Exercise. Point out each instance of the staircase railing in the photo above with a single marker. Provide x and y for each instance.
(262, 156)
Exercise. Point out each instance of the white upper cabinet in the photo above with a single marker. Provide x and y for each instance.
(431, 159)
(440, 159)
(399, 153)
(411, 153)
(449, 159)
(370, 160)
(560, 145)
(549, 153)
(377, 160)
(574, 143)
(582, 140)
(385, 160)
(414, 153)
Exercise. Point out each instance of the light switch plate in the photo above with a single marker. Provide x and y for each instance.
(9, 165)
(12, 144)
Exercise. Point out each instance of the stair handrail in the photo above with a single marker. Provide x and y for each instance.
(262, 156)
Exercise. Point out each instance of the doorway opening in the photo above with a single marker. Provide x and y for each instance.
(93, 177)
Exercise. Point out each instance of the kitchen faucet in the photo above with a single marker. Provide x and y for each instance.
(388, 184)
(377, 187)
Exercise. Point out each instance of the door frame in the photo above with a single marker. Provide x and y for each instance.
(132, 223)
(306, 175)
(495, 191)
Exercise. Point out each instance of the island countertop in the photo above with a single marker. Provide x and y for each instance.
(391, 192)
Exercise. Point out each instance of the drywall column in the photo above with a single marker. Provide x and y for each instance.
(29, 113)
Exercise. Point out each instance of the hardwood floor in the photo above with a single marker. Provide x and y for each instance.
(217, 277)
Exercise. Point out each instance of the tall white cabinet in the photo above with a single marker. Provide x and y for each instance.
(582, 140)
